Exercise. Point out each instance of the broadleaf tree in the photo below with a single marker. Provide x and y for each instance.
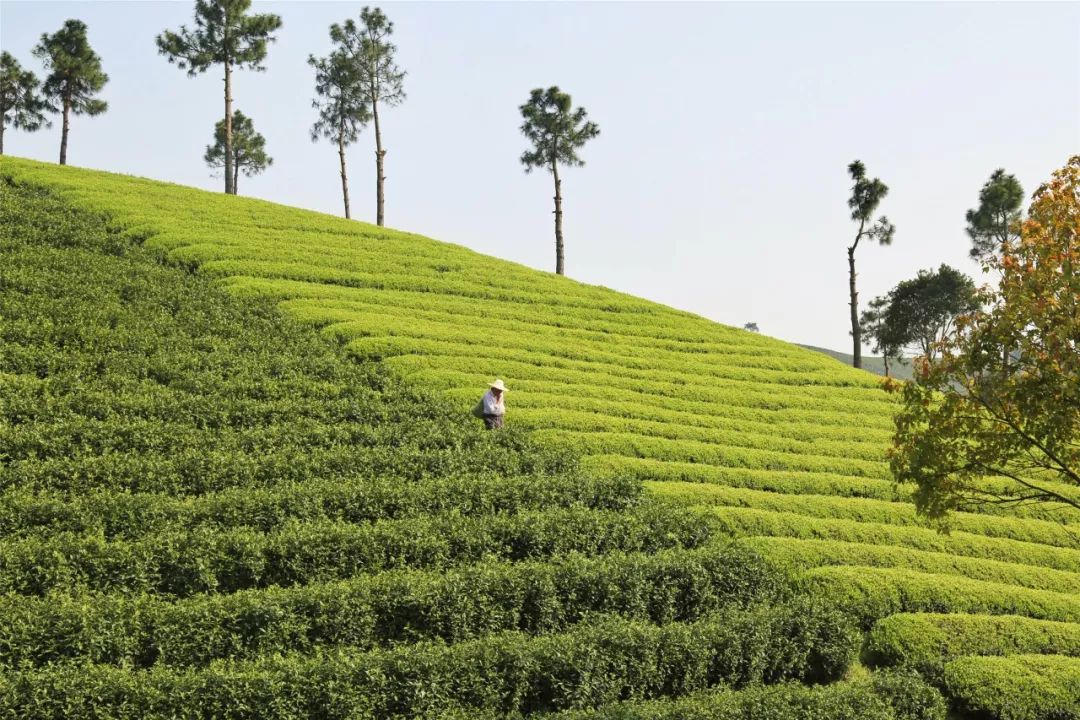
(382, 81)
(922, 312)
(966, 416)
(75, 76)
(248, 149)
(224, 34)
(22, 107)
(557, 132)
(996, 222)
(886, 340)
(342, 105)
(866, 195)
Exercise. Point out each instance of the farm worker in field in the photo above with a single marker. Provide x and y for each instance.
(492, 407)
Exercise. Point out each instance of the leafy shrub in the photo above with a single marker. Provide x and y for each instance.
(1018, 687)
(927, 641)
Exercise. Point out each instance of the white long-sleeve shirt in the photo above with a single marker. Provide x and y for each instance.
(493, 406)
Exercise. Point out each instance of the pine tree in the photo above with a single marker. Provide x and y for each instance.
(342, 105)
(21, 106)
(224, 35)
(75, 76)
(248, 149)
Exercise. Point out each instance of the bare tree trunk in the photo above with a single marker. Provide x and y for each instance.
(856, 331)
(236, 177)
(885, 357)
(64, 132)
(380, 154)
(344, 177)
(559, 269)
(1, 136)
(230, 186)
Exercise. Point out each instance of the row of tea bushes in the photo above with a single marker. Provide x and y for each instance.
(804, 554)
(184, 562)
(1016, 687)
(871, 594)
(589, 666)
(927, 641)
(116, 514)
(882, 696)
(740, 521)
(383, 609)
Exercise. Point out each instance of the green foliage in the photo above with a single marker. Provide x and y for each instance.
(184, 562)
(248, 148)
(996, 222)
(368, 48)
(224, 34)
(594, 664)
(920, 313)
(205, 397)
(885, 696)
(20, 105)
(391, 608)
(75, 73)
(1019, 687)
(874, 593)
(555, 129)
(926, 642)
(1004, 396)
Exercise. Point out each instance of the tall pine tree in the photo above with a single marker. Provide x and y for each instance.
(368, 45)
(342, 105)
(866, 195)
(226, 35)
(75, 75)
(557, 132)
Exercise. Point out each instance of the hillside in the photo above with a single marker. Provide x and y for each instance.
(239, 477)
(876, 365)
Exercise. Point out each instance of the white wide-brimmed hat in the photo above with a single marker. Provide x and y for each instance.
(498, 385)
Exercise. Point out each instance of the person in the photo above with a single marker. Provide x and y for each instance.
(492, 407)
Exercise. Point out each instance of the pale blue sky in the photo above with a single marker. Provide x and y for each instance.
(718, 183)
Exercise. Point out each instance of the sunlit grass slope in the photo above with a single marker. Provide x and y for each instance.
(777, 445)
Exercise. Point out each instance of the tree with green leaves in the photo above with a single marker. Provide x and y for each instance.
(224, 34)
(885, 338)
(342, 105)
(75, 76)
(866, 195)
(382, 82)
(966, 416)
(21, 106)
(556, 132)
(923, 311)
(996, 222)
(248, 149)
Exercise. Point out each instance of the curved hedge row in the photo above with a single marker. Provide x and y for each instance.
(805, 554)
(132, 515)
(927, 641)
(182, 563)
(508, 673)
(738, 521)
(1018, 687)
(874, 593)
(884, 696)
(388, 608)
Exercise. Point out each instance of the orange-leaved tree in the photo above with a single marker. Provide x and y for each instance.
(968, 417)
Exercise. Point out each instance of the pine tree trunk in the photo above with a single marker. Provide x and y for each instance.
(236, 177)
(344, 176)
(230, 187)
(379, 156)
(1, 136)
(64, 132)
(856, 331)
(559, 268)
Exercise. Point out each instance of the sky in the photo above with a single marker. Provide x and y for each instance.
(718, 183)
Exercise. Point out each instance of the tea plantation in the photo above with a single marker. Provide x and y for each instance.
(238, 479)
